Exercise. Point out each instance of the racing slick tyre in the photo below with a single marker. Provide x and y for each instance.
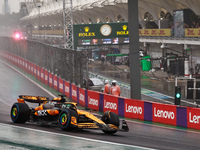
(65, 121)
(110, 118)
(20, 113)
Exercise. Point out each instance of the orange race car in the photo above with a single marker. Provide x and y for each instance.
(65, 114)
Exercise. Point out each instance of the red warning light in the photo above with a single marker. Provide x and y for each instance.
(17, 35)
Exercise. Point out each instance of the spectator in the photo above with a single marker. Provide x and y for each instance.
(107, 87)
(115, 89)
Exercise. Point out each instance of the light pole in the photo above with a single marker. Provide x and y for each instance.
(134, 49)
(39, 4)
(68, 24)
(64, 25)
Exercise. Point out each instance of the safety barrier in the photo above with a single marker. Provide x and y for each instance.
(187, 117)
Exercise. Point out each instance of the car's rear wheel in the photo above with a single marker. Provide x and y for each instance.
(20, 113)
(65, 119)
(110, 118)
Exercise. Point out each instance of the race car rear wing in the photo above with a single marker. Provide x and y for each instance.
(33, 99)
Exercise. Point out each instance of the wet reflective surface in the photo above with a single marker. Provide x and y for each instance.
(35, 136)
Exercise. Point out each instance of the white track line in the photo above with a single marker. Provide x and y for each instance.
(76, 137)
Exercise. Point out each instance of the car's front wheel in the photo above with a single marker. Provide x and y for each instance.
(67, 119)
(110, 118)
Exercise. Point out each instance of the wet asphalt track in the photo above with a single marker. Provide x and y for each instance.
(140, 134)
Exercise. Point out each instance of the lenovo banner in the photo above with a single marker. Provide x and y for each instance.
(67, 89)
(61, 85)
(20, 62)
(74, 92)
(32, 68)
(82, 96)
(134, 109)
(110, 103)
(50, 79)
(193, 118)
(55, 82)
(26, 66)
(35, 70)
(46, 77)
(164, 113)
(38, 72)
(93, 100)
(42, 75)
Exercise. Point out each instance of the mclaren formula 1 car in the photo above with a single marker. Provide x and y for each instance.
(65, 114)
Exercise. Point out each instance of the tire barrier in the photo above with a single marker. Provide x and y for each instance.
(187, 117)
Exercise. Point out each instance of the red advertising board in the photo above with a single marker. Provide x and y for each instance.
(164, 113)
(67, 89)
(74, 92)
(93, 100)
(42, 75)
(26, 65)
(32, 68)
(193, 118)
(46, 77)
(50, 79)
(61, 86)
(134, 108)
(38, 72)
(82, 96)
(55, 82)
(16, 60)
(21, 62)
(110, 103)
(35, 70)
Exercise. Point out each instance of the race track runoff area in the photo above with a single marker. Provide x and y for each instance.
(20, 138)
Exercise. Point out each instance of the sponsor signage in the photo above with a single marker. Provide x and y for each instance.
(82, 96)
(134, 109)
(35, 70)
(46, 77)
(93, 100)
(155, 32)
(55, 82)
(20, 62)
(190, 32)
(110, 33)
(86, 32)
(67, 89)
(193, 118)
(26, 66)
(42, 75)
(74, 92)
(32, 68)
(50, 79)
(38, 72)
(164, 113)
(61, 85)
(110, 103)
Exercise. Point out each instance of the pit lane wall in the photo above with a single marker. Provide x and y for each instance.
(131, 108)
